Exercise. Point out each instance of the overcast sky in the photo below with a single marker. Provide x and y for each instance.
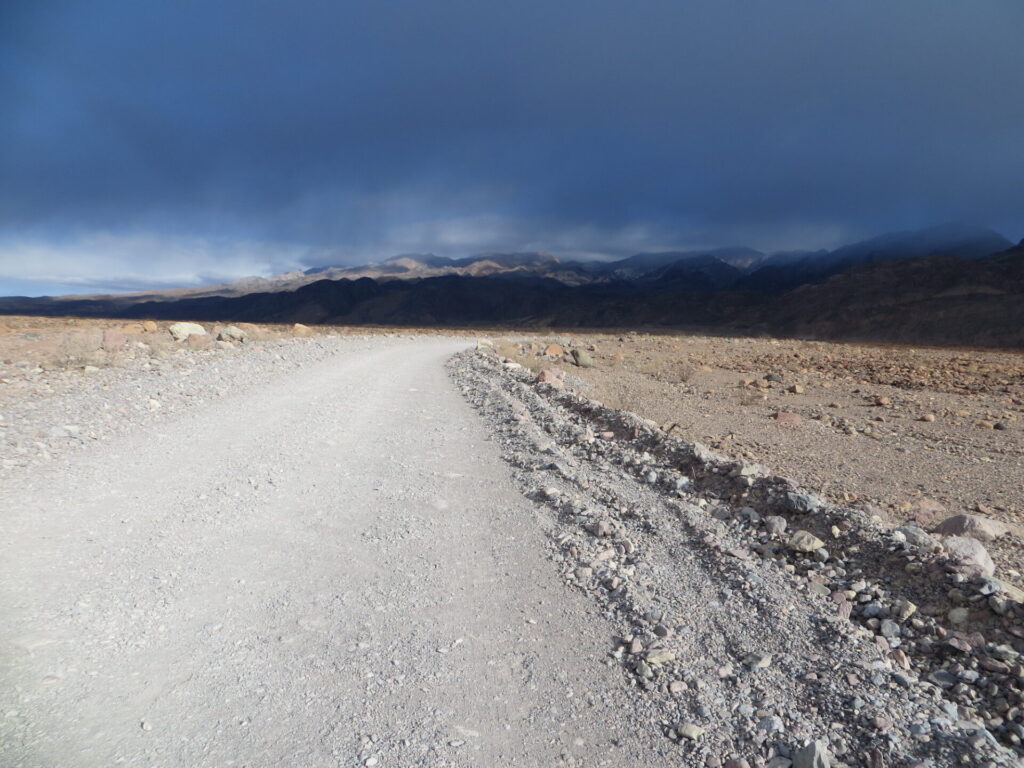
(169, 143)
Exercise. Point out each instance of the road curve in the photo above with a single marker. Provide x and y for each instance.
(330, 569)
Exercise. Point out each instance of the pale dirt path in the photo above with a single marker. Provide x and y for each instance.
(277, 576)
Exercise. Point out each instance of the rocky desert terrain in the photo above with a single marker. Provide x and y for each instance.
(912, 434)
(271, 544)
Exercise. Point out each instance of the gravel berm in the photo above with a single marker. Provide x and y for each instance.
(758, 624)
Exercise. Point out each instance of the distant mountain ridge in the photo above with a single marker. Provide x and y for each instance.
(952, 284)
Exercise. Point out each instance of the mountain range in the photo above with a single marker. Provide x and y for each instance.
(952, 284)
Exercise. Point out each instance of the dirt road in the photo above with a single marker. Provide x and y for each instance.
(329, 569)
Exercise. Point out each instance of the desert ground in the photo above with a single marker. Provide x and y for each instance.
(267, 545)
(916, 434)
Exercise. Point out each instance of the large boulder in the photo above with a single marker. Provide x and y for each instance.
(181, 331)
(975, 526)
(970, 555)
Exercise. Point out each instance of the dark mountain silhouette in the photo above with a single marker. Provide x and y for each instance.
(646, 263)
(932, 286)
(961, 241)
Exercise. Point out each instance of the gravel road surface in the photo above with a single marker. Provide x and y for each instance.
(332, 567)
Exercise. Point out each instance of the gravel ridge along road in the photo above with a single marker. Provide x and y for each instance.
(759, 624)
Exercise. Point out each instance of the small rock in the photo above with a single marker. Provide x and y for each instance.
(689, 731)
(1012, 592)
(232, 333)
(582, 358)
(957, 643)
(758, 660)
(805, 541)
(181, 331)
(918, 537)
(552, 377)
(890, 628)
(958, 615)
(970, 555)
(788, 417)
(660, 656)
(926, 511)
(775, 525)
(904, 609)
(814, 755)
(800, 501)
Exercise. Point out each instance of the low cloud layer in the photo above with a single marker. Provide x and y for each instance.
(241, 137)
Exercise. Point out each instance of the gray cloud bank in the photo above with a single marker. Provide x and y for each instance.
(194, 140)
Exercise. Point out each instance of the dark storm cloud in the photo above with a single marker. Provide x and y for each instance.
(327, 131)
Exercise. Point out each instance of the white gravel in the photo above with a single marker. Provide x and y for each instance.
(325, 565)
